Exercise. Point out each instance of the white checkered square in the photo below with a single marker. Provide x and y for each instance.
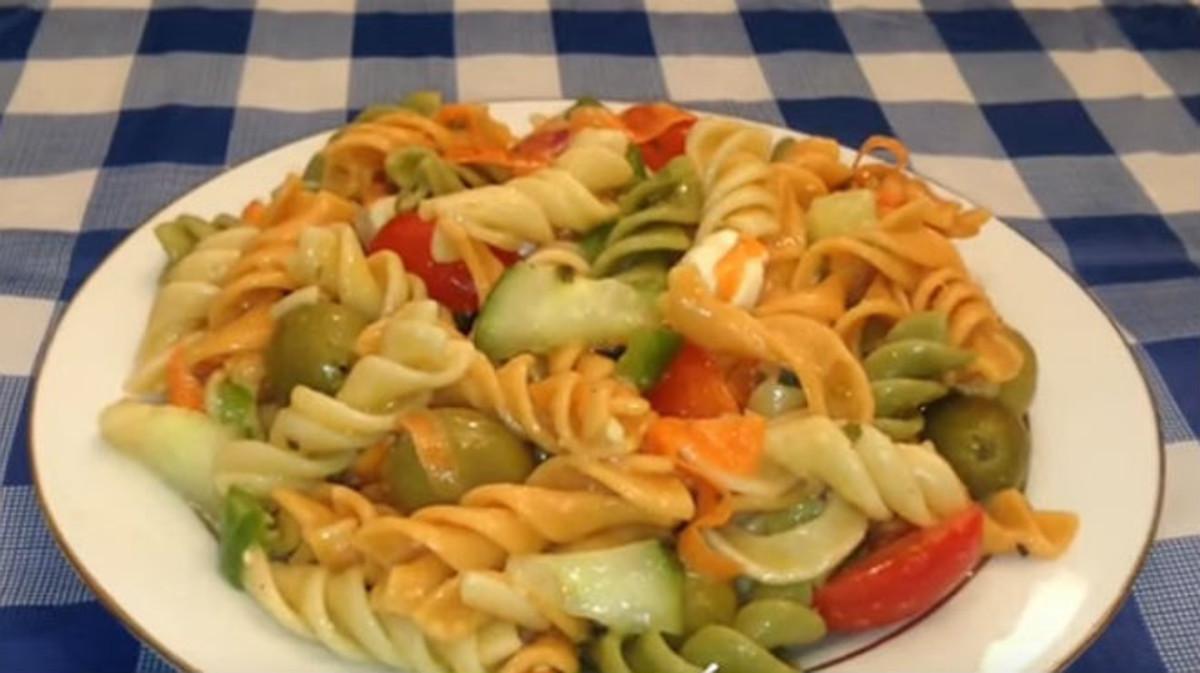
(506, 77)
(993, 183)
(1181, 507)
(699, 78)
(101, 4)
(897, 78)
(46, 202)
(76, 86)
(692, 6)
(1172, 181)
(886, 5)
(295, 86)
(336, 6)
(25, 323)
(1109, 73)
(501, 5)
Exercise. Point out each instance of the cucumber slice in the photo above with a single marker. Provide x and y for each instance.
(634, 588)
(535, 308)
(841, 214)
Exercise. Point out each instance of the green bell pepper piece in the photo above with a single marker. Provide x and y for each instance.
(649, 353)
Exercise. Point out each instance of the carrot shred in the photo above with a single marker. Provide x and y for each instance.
(184, 388)
(731, 443)
(713, 509)
(254, 212)
(647, 122)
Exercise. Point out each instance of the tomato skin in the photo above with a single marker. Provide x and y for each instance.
(904, 577)
(670, 144)
(693, 386)
(543, 146)
(410, 237)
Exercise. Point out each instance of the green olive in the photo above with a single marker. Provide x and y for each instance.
(312, 346)
(1017, 393)
(982, 439)
(482, 451)
(707, 601)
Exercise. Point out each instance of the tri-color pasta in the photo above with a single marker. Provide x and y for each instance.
(638, 391)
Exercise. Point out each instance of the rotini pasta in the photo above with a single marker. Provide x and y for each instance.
(577, 407)
(872, 473)
(637, 385)
(731, 159)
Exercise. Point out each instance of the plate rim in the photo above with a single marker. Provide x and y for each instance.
(144, 634)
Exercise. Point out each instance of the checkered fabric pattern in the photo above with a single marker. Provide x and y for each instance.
(1078, 122)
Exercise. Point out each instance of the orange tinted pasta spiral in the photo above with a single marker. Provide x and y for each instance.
(833, 379)
(414, 562)
(239, 316)
(355, 157)
(577, 406)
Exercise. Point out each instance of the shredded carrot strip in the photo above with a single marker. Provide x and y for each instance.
(183, 387)
(713, 508)
(254, 213)
(647, 122)
(430, 443)
(731, 443)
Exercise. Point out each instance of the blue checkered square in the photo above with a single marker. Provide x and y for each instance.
(217, 31)
(399, 34)
(850, 120)
(1178, 362)
(17, 26)
(377, 79)
(192, 135)
(1070, 186)
(1153, 26)
(615, 77)
(774, 30)
(99, 642)
(1015, 77)
(33, 263)
(91, 247)
(1192, 105)
(1045, 127)
(120, 199)
(886, 32)
(1124, 248)
(616, 33)
(1136, 124)
(984, 30)
(814, 74)
(184, 78)
(943, 128)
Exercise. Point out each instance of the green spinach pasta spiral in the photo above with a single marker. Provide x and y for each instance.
(655, 223)
(908, 370)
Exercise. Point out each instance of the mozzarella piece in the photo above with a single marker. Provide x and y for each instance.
(706, 255)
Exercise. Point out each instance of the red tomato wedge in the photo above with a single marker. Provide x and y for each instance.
(450, 284)
(905, 577)
(661, 150)
(694, 386)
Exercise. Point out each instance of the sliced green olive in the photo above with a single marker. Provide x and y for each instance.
(983, 440)
(481, 450)
(312, 346)
(1017, 393)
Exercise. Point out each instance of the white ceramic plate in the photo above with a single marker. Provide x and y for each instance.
(1096, 452)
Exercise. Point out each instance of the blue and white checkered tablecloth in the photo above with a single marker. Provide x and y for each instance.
(1076, 121)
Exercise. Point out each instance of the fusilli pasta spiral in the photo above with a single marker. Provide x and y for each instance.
(578, 406)
(739, 193)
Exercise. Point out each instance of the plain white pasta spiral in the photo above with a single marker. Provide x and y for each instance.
(334, 608)
(181, 305)
(596, 158)
(732, 159)
(878, 476)
(332, 259)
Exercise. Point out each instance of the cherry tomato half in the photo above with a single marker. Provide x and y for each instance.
(657, 152)
(904, 577)
(694, 386)
(410, 237)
